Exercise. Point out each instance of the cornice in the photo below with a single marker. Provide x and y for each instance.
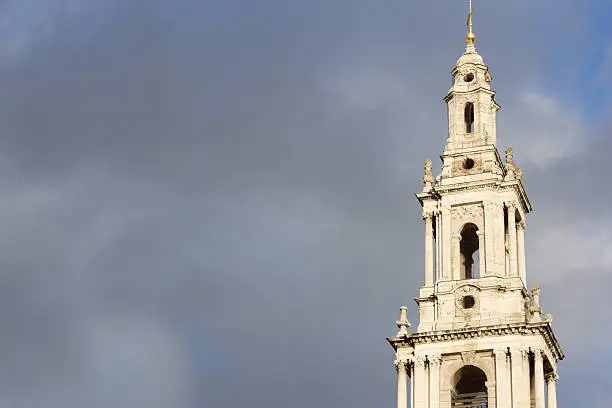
(452, 93)
(520, 190)
(437, 191)
(524, 329)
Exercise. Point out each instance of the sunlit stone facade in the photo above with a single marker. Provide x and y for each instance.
(481, 340)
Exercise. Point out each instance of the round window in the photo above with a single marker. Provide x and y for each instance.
(469, 77)
(468, 164)
(468, 302)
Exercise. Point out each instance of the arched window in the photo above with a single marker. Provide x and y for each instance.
(469, 117)
(468, 247)
(470, 388)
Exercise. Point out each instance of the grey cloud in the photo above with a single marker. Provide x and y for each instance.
(201, 208)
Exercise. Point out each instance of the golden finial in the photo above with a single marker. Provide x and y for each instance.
(471, 36)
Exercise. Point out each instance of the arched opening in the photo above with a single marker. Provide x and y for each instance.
(469, 117)
(470, 257)
(470, 388)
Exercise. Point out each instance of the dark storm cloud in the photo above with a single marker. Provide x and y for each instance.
(212, 204)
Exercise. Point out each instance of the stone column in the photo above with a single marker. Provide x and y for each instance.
(411, 368)
(402, 394)
(539, 379)
(521, 252)
(481, 253)
(434, 380)
(551, 381)
(420, 382)
(446, 239)
(456, 242)
(519, 389)
(501, 379)
(429, 254)
(526, 377)
(512, 238)
(438, 237)
(490, 218)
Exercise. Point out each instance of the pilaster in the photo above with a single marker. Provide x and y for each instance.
(429, 253)
(483, 254)
(511, 206)
(435, 361)
(521, 252)
(502, 379)
(420, 383)
(455, 243)
(519, 388)
(539, 379)
(446, 234)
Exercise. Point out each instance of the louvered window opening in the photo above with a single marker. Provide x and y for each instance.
(472, 400)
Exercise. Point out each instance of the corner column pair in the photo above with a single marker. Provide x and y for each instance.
(424, 377)
(516, 244)
(442, 259)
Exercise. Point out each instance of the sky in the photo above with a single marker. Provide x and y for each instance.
(211, 203)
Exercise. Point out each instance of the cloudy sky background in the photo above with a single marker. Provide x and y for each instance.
(210, 203)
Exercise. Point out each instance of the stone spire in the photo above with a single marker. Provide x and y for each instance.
(480, 335)
(471, 37)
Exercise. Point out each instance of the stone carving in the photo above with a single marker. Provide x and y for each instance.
(549, 317)
(534, 310)
(496, 169)
(427, 177)
(468, 357)
(535, 293)
(466, 290)
(403, 324)
(510, 168)
(467, 211)
(509, 158)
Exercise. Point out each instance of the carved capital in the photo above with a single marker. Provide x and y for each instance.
(518, 353)
(552, 377)
(538, 354)
(401, 365)
(419, 362)
(428, 217)
(435, 359)
(510, 204)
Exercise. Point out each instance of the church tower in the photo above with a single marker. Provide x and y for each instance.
(481, 340)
